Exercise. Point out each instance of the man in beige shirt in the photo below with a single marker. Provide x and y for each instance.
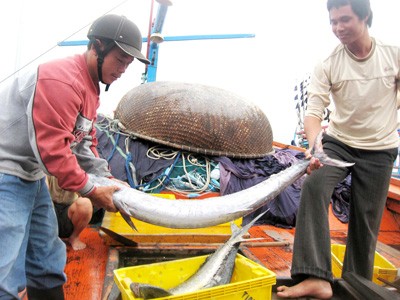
(361, 77)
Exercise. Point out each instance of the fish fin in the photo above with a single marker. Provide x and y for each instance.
(318, 152)
(147, 291)
(239, 233)
(123, 209)
(128, 220)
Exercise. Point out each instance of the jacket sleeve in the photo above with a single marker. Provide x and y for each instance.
(88, 157)
(54, 111)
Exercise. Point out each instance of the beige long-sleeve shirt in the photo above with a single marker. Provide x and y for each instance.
(365, 93)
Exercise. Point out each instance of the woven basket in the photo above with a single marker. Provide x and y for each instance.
(196, 118)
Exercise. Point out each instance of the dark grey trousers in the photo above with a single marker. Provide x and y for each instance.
(369, 187)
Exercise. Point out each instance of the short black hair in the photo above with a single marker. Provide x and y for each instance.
(105, 42)
(362, 8)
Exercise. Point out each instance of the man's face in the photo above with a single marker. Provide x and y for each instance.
(115, 64)
(346, 25)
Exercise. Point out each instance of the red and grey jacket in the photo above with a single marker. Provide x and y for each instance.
(49, 115)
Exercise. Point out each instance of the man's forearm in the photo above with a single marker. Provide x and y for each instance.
(312, 126)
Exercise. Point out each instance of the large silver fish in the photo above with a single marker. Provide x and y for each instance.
(211, 211)
(216, 270)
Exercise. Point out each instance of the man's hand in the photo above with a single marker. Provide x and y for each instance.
(102, 197)
(314, 162)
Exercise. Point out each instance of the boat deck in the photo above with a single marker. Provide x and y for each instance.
(90, 273)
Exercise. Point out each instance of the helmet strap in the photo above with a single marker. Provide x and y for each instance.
(100, 59)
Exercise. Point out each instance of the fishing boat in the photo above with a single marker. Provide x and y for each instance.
(90, 271)
(112, 245)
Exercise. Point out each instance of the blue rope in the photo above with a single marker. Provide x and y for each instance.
(166, 174)
(128, 170)
(171, 168)
(114, 148)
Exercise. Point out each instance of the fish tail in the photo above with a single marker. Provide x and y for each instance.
(319, 153)
(317, 147)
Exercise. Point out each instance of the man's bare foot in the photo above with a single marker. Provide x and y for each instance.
(311, 287)
(77, 244)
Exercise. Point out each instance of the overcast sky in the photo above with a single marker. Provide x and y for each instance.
(290, 36)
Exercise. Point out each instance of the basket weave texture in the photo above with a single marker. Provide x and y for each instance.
(196, 118)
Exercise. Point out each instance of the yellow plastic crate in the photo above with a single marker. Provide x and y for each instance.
(250, 280)
(382, 267)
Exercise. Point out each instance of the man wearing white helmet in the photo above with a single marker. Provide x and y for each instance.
(47, 121)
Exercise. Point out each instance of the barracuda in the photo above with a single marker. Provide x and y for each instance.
(216, 270)
(210, 211)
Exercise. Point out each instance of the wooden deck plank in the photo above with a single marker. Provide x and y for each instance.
(85, 268)
(276, 259)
